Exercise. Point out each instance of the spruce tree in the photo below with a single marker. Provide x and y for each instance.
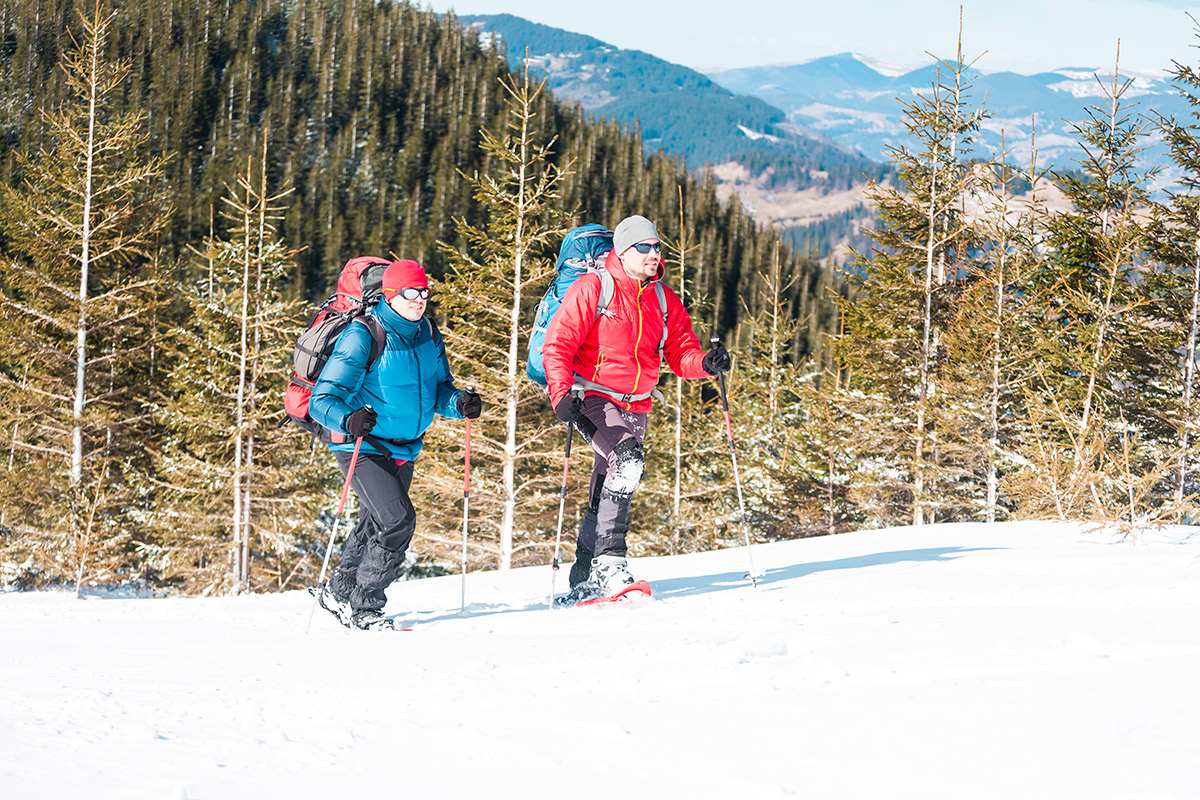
(1175, 242)
(902, 296)
(988, 342)
(487, 307)
(234, 490)
(825, 465)
(79, 299)
(1093, 392)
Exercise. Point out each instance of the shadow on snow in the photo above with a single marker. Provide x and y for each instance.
(686, 587)
(707, 584)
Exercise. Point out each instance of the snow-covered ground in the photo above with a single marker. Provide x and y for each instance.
(958, 661)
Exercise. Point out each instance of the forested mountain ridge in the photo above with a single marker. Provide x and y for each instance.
(371, 114)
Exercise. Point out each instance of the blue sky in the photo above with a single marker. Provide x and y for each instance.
(1024, 36)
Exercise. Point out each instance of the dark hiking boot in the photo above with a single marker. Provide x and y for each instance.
(579, 593)
(335, 605)
(582, 567)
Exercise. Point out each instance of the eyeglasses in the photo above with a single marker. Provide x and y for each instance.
(412, 294)
(646, 247)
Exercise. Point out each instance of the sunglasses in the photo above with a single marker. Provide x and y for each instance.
(646, 247)
(413, 294)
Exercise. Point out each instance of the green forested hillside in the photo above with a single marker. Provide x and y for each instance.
(679, 110)
(370, 112)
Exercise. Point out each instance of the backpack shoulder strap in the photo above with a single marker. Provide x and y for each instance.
(378, 337)
(608, 287)
(662, 303)
(435, 333)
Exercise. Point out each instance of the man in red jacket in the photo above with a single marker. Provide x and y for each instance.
(601, 372)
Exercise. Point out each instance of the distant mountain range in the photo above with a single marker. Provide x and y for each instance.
(801, 180)
(677, 109)
(799, 142)
(855, 102)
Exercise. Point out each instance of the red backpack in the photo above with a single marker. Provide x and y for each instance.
(359, 287)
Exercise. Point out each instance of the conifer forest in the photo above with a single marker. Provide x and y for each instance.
(182, 180)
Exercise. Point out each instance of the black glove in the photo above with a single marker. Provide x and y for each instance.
(361, 422)
(717, 360)
(569, 409)
(469, 404)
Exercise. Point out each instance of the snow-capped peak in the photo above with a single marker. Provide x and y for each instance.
(884, 68)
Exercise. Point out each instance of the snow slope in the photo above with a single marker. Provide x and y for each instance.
(954, 661)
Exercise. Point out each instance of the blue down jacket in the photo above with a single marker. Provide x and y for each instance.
(410, 381)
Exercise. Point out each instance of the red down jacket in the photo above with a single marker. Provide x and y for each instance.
(620, 349)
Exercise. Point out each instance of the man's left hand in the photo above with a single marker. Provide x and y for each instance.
(717, 360)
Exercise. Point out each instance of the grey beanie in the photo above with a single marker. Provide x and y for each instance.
(632, 230)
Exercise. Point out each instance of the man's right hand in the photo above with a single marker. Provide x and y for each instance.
(361, 422)
(569, 409)
(717, 360)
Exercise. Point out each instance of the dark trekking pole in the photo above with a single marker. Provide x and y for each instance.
(736, 477)
(562, 501)
(466, 500)
(333, 533)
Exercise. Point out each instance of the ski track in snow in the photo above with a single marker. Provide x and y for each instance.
(1030, 660)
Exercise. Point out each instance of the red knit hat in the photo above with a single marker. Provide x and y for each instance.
(404, 274)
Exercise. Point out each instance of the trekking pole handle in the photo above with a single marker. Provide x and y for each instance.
(713, 341)
(724, 397)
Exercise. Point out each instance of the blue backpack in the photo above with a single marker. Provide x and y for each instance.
(583, 250)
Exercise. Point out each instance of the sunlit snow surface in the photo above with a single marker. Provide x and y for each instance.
(960, 661)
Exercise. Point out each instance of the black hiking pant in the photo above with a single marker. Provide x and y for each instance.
(616, 439)
(374, 551)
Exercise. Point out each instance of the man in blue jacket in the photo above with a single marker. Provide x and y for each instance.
(390, 404)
